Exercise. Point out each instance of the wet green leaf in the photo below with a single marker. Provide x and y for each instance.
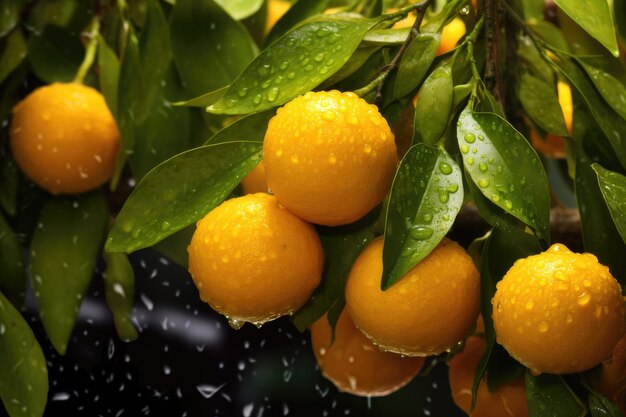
(249, 128)
(595, 17)
(433, 107)
(460, 93)
(528, 54)
(55, 54)
(294, 64)
(8, 185)
(342, 245)
(426, 195)
(204, 41)
(492, 213)
(550, 33)
(600, 235)
(549, 396)
(64, 250)
(506, 168)
(600, 406)
(613, 188)
(180, 191)
(541, 104)
(10, 15)
(356, 61)
(613, 126)
(23, 369)
(204, 100)
(13, 270)
(300, 11)
(240, 9)
(415, 63)
(386, 37)
(612, 89)
(109, 74)
(119, 291)
(13, 53)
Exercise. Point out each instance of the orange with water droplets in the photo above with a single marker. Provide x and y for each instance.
(255, 181)
(509, 400)
(427, 311)
(330, 157)
(450, 36)
(64, 138)
(254, 261)
(355, 365)
(558, 312)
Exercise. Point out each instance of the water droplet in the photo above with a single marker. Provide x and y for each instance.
(242, 92)
(235, 324)
(421, 233)
(444, 195)
(264, 70)
(165, 226)
(481, 137)
(272, 94)
(483, 182)
(319, 57)
(445, 169)
(483, 167)
(470, 138)
(529, 305)
(283, 65)
(508, 204)
(207, 391)
(329, 115)
(428, 217)
(470, 160)
(291, 75)
(464, 148)
(453, 188)
(256, 99)
(583, 299)
(367, 148)
(332, 159)
(294, 159)
(543, 327)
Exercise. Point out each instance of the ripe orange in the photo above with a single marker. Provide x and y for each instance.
(553, 145)
(509, 400)
(64, 138)
(330, 157)
(254, 261)
(255, 181)
(558, 312)
(612, 381)
(275, 10)
(355, 365)
(427, 312)
(450, 36)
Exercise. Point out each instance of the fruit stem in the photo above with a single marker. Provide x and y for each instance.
(470, 41)
(90, 54)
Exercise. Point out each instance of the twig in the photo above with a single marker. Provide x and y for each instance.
(492, 67)
(378, 82)
(90, 54)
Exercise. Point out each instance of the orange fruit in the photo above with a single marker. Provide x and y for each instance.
(255, 181)
(64, 138)
(450, 36)
(330, 157)
(275, 10)
(355, 365)
(254, 261)
(612, 382)
(566, 301)
(553, 145)
(509, 400)
(426, 312)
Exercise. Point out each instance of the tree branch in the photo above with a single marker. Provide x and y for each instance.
(493, 73)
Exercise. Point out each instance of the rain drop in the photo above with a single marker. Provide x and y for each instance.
(421, 233)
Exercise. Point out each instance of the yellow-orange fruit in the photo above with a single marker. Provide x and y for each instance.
(427, 312)
(330, 157)
(275, 10)
(612, 382)
(255, 181)
(64, 138)
(450, 36)
(566, 301)
(254, 261)
(355, 365)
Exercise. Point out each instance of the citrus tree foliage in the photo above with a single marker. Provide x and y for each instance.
(193, 84)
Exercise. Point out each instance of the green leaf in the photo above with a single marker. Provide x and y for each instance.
(493, 214)
(550, 33)
(23, 369)
(55, 54)
(13, 53)
(541, 103)
(294, 64)
(64, 250)
(358, 59)
(119, 291)
(342, 245)
(210, 48)
(109, 72)
(415, 63)
(600, 235)
(180, 191)
(386, 37)
(426, 195)
(204, 100)
(300, 11)
(613, 188)
(240, 9)
(595, 17)
(433, 107)
(528, 54)
(10, 15)
(549, 396)
(13, 270)
(600, 406)
(612, 89)
(8, 185)
(613, 126)
(175, 246)
(506, 168)
(249, 128)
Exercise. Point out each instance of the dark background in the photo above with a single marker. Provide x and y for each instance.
(188, 362)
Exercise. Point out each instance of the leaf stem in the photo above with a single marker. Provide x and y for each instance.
(90, 54)
(378, 82)
(469, 42)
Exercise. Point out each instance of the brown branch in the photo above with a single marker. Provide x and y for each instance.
(493, 75)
